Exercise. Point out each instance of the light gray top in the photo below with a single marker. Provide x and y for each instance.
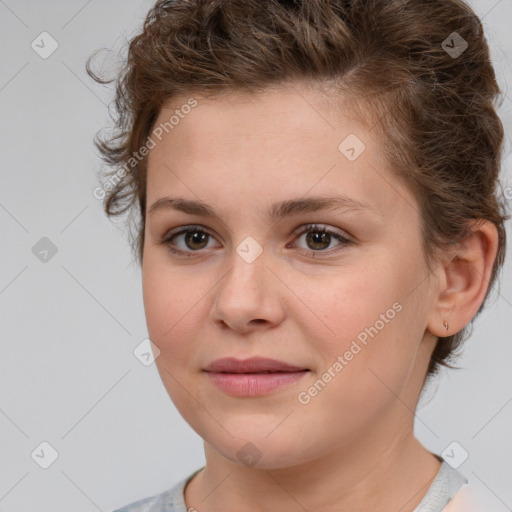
(444, 487)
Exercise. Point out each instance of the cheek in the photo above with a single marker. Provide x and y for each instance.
(170, 322)
(352, 306)
(169, 312)
(368, 323)
(364, 368)
(157, 306)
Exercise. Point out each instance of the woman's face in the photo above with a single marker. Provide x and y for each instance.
(351, 315)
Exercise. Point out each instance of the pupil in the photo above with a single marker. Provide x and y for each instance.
(196, 237)
(317, 237)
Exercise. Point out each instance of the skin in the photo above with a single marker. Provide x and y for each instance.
(352, 446)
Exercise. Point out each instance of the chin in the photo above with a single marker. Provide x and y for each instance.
(252, 446)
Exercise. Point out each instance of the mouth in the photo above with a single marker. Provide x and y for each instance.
(253, 377)
(259, 365)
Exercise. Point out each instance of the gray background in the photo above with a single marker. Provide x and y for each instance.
(69, 326)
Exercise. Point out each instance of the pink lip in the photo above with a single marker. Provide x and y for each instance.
(251, 365)
(252, 377)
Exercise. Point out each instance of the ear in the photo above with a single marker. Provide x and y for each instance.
(464, 279)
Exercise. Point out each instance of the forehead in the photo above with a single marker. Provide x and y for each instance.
(284, 142)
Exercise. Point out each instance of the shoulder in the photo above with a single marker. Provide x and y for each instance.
(156, 503)
(466, 500)
(143, 505)
(171, 500)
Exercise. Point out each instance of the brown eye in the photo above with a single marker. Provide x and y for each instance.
(318, 239)
(194, 239)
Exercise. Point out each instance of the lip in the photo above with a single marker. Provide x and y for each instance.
(252, 365)
(256, 376)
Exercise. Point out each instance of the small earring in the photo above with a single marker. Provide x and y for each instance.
(446, 325)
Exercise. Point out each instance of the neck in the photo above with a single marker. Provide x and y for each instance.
(358, 479)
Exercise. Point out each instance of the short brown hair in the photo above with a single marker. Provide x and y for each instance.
(430, 98)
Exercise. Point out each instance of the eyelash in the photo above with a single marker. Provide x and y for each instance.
(309, 227)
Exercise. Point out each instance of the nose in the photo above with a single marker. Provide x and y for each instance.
(250, 296)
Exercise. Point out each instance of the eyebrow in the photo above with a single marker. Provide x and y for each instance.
(277, 210)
